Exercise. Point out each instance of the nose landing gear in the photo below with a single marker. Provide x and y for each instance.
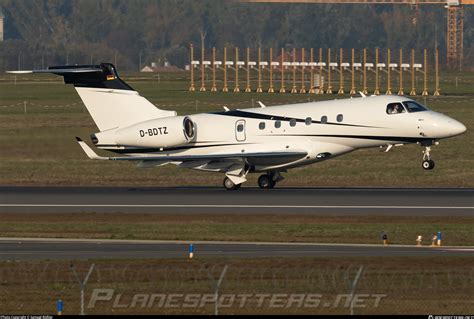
(427, 163)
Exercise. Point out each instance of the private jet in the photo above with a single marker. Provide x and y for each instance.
(268, 140)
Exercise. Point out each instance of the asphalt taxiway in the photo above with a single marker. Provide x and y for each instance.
(199, 200)
(36, 249)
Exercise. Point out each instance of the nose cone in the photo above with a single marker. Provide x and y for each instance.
(457, 128)
(449, 127)
(441, 126)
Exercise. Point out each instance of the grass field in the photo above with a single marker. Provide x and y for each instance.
(267, 228)
(38, 148)
(409, 285)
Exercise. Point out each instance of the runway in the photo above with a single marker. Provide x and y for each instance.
(205, 200)
(37, 249)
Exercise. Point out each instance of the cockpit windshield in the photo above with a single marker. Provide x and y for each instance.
(413, 107)
(395, 108)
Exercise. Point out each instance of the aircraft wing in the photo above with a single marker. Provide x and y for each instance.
(182, 158)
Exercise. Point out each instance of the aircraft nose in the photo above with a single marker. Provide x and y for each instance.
(443, 126)
(457, 128)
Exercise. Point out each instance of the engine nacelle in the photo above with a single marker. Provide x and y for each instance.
(162, 132)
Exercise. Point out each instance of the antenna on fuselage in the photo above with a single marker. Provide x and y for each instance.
(226, 108)
(261, 104)
(362, 94)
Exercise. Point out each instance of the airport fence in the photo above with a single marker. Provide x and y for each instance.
(206, 288)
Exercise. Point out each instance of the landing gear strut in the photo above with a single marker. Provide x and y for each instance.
(230, 186)
(427, 163)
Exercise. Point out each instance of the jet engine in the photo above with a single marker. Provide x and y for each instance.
(162, 132)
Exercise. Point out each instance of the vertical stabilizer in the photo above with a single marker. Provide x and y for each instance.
(111, 102)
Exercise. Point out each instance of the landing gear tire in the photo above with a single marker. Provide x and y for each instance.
(428, 164)
(266, 182)
(230, 186)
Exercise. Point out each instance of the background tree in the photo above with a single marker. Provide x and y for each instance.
(45, 32)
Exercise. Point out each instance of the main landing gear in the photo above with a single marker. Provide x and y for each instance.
(265, 181)
(427, 163)
(230, 186)
(268, 181)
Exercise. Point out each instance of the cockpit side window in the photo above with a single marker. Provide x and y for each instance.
(412, 107)
(395, 108)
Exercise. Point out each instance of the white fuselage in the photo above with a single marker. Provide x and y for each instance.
(321, 129)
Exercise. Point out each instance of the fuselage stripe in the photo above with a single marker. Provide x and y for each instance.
(187, 147)
(365, 137)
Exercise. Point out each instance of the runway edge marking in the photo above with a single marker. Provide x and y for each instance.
(206, 242)
(236, 206)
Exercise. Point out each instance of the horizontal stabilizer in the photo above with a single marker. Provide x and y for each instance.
(103, 76)
(60, 70)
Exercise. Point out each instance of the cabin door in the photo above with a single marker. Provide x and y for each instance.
(240, 130)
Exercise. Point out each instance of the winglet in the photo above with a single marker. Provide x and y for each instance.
(89, 152)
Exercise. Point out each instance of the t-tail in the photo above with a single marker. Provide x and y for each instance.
(111, 102)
